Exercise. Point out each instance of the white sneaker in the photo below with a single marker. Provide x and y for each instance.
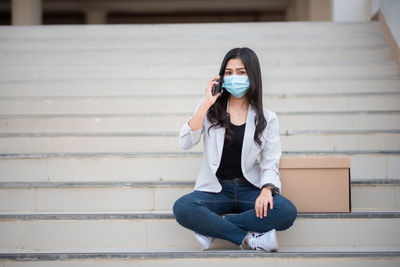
(264, 241)
(205, 241)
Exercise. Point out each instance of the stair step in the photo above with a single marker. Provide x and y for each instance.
(168, 31)
(39, 197)
(153, 167)
(196, 258)
(168, 142)
(374, 55)
(184, 86)
(164, 71)
(186, 104)
(347, 232)
(96, 124)
(233, 258)
(388, 200)
(172, 254)
(129, 43)
(30, 217)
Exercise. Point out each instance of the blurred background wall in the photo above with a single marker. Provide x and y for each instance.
(34, 12)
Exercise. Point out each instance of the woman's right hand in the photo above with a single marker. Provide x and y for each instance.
(210, 99)
(197, 120)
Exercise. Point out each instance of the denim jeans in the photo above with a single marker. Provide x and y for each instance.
(202, 212)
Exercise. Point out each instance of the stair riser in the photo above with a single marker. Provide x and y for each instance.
(186, 104)
(343, 235)
(172, 123)
(375, 197)
(153, 168)
(93, 71)
(233, 262)
(168, 31)
(274, 55)
(153, 198)
(195, 87)
(145, 144)
(90, 199)
(255, 42)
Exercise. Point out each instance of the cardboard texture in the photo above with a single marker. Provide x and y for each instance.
(317, 184)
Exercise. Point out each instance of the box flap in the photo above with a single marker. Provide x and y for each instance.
(314, 162)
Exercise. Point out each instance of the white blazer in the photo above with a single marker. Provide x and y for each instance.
(258, 172)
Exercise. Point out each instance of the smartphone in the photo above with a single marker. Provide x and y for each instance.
(217, 87)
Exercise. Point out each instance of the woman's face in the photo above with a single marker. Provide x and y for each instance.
(235, 66)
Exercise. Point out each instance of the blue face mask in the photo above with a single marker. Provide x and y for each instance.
(237, 85)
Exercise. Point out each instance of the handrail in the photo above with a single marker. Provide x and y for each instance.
(389, 30)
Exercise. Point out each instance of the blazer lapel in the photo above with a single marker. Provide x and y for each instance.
(248, 138)
(220, 141)
(220, 132)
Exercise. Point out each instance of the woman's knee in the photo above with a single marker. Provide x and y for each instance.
(291, 211)
(182, 208)
(288, 213)
(178, 208)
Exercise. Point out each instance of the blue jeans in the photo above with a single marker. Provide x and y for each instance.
(202, 212)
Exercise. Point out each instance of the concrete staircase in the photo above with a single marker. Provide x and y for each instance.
(89, 160)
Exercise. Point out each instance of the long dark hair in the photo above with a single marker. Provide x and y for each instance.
(217, 114)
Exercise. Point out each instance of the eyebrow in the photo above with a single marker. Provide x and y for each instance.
(236, 69)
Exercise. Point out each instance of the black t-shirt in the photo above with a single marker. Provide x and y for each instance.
(230, 166)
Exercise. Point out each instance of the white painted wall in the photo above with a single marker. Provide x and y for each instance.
(391, 11)
(351, 10)
(375, 6)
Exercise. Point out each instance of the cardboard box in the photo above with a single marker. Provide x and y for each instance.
(317, 184)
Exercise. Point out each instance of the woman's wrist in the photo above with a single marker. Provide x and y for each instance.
(206, 105)
(267, 189)
(271, 188)
(197, 120)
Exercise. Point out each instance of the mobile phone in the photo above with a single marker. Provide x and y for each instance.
(217, 87)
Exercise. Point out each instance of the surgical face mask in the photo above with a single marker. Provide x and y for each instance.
(237, 85)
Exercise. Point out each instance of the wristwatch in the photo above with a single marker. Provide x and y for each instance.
(274, 189)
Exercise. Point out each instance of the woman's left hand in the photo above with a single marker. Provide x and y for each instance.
(265, 198)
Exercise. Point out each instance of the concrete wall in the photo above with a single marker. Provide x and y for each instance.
(391, 10)
(26, 12)
(309, 10)
(351, 10)
(320, 10)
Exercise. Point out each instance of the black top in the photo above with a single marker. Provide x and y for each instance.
(230, 166)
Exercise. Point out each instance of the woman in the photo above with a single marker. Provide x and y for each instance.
(236, 196)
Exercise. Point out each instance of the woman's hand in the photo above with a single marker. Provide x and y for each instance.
(210, 99)
(198, 118)
(264, 199)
